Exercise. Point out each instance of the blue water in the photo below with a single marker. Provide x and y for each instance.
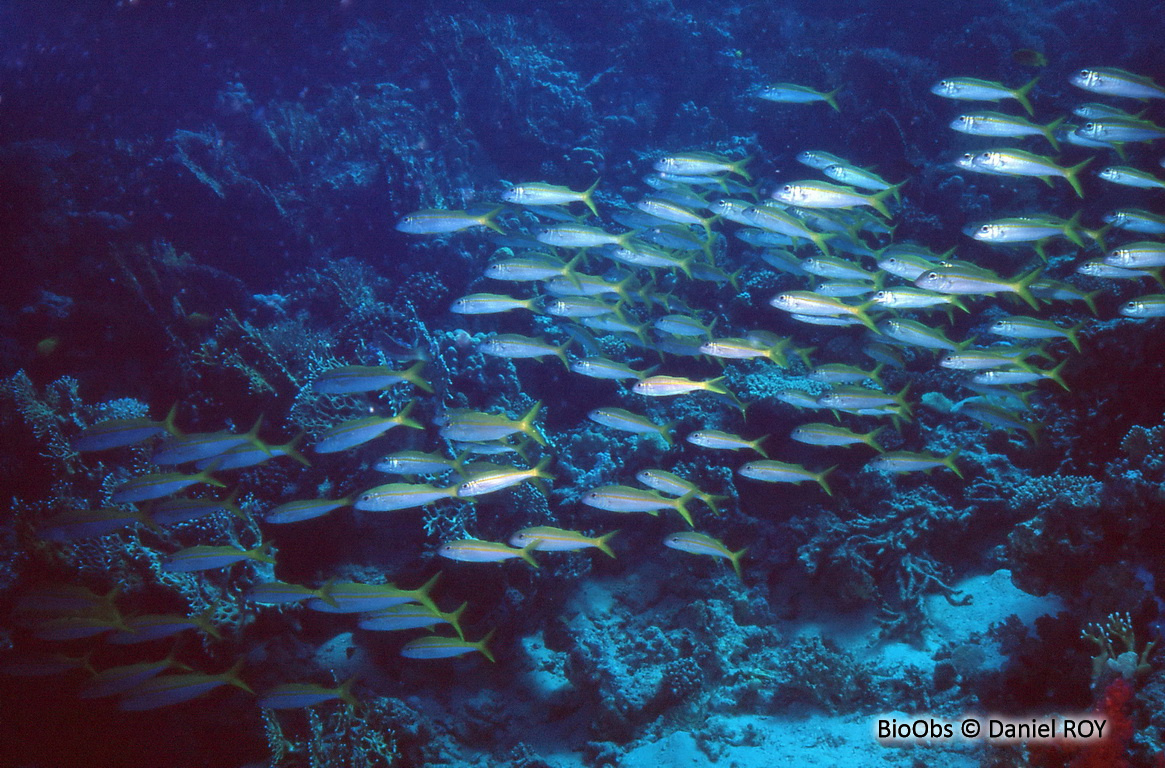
(199, 206)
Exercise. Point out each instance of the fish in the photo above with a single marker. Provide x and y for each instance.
(490, 304)
(748, 348)
(819, 159)
(843, 373)
(282, 593)
(532, 267)
(478, 551)
(638, 254)
(301, 695)
(1029, 57)
(995, 416)
(1024, 374)
(515, 345)
(410, 616)
(1131, 177)
(550, 539)
(814, 304)
(905, 461)
(626, 421)
(964, 281)
(770, 471)
(1116, 82)
(1145, 254)
(1143, 307)
(541, 193)
(983, 359)
(155, 626)
(775, 220)
(357, 597)
(437, 221)
(477, 427)
(998, 124)
(861, 399)
(115, 681)
(203, 557)
(197, 446)
(158, 485)
(356, 432)
(674, 485)
(582, 306)
(827, 434)
(1137, 220)
(973, 89)
(790, 93)
(436, 647)
(173, 511)
(1017, 162)
(862, 178)
(90, 523)
(623, 498)
(906, 297)
(1117, 130)
(834, 267)
(120, 433)
(392, 497)
(499, 479)
(1028, 229)
(702, 544)
(169, 690)
(670, 386)
(725, 441)
(683, 325)
(665, 209)
(352, 379)
(304, 509)
(254, 454)
(605, 368)
(1017, 327)
(820, 194)
(579, 236)
(418, 463)
(917, 334)
(701, 163)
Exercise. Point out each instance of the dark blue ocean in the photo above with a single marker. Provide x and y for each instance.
(572, 385)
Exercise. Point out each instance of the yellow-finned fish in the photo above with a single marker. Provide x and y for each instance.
(541, 193)
(820, 194)
(477, 427)
(974, 89)
(791, 93)
(1008, 126)
(769, 471)
(906, 461)
(350, 379)
(725, 441)
(436, 221)
(301, 695)
(703, 544)
(350, 434)
(547, 538)
(478, 551)
(1016, 162)
(701, 164)
(168, 690)
(1117, 82)
(435, 647)
(669, 386)
(626, 421)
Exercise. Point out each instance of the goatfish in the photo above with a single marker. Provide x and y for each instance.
(917, 334)
(994, 416)
(204, 557)
(1008, 126)
(304, 509)
(769, 471)
(253, 454)
(623, 498)
(790, 93)
(670, 386)
(816, 305)
(665, 209)
(1130, 177)
(701, 164)
(547, 538)
(774, 220)
(90, 523)
(1117, 82)
(674, 485)
(962, 280)
(478, 551)
(973, 89)
(515, 345)
(439, 221)
(579, 236)
(905, 461)
(159, 484)
(1142, 255)
(478, 427)
(541, 193)
(435, 647)
(820, 194)
(417, 463)
(356, 597)
(115, 681)
(747, 349)
(282, 593)
(489, 304)
(604, 368)
(626, 421)
(196, 446)
(906, 297)
(1017, 327)
(1028, 229)
(725, 441)
(411, 616)
(118, 433)
(1016, 162)
(1152, 305)
(168, 690)
(350, 434)
(392, 497)
(819, 159)
(154, 626)
(1024, 374)
(828, 434)
(301, 695)
(862, 178)
(860, 399)
(1116, 130)
(532, 268)
(172, 511)
(702, 544)
(498, 479)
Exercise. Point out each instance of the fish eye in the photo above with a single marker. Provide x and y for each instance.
(1089, 126)
(932, 275)
(984, 228)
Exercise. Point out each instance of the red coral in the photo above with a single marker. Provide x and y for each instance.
(1112, 751)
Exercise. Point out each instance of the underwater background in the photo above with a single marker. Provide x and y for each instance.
(204, 209)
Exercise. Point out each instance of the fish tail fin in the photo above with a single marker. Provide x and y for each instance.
(665, 432)
(527, 552)
(231, 676)
(820, 478)
(252, 436)
(482, 645)
(1089, 299)
(290, 449)
(872, 441)
(1023, 287)
(1049, 132)
(203, 622)
(603, 543)
(1022, 92)
(804, 354)
(421, 593)
(589, 200)
(714, 385)
(1055, 376)
(231, 504)
(1097, 235)
(1072, 229)
(526, 424)
(861, 314)
(413, 376)
(831, 98)
(713, 501)
(205, 477)
(1073, 333)
(487, 220)
(821, 240)
(756, 445)
(681, 506)
(735, 557)
(1072, 176)
(560, 351)
(877, 201)
(345, 692)
(169, 423)
(540, 469)
(454, 619)
(325, 593)
(955, 301)
(738, 169)
(263, 553)
(1121, 152)
(403, 419)
(949, 463)
(1154, 273)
